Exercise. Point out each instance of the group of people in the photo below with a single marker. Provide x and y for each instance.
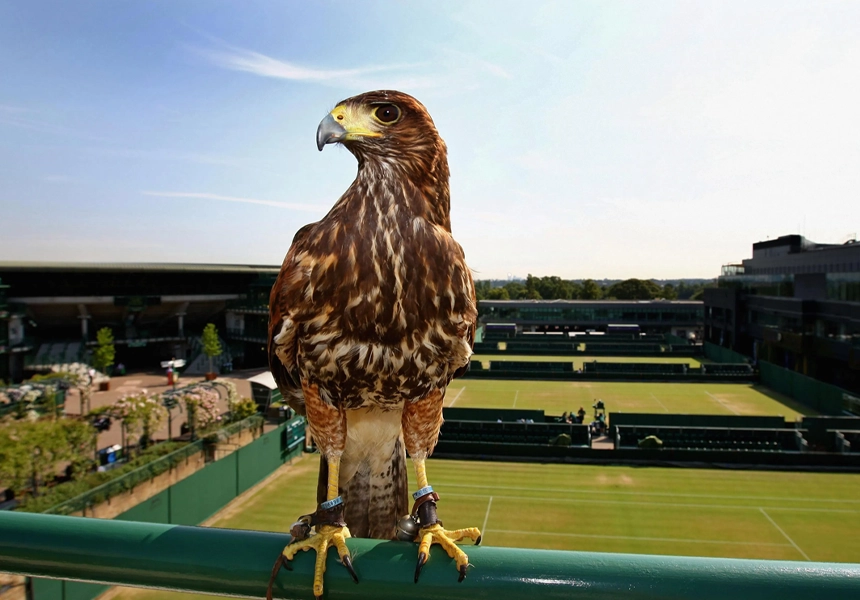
(598, 425)
(570, 417)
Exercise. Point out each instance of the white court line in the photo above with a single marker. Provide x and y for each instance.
(486, 516)
(462, 389)
(633, 537)
(785, 535)
(639, 494)
(673, 504)
(660, 403)
(721, 403)
(515, 399)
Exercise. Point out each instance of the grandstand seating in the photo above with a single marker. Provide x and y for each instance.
(542, 366)
(485, 347)
(710, 421)
(458, 413)
(727, 368)
(519, 346)
(713, 438)
(548, 338)
(847, 441)
(621, 347)
(58, 353)
(819, 429)
(73, 353)
(636, 368)
(514, 433)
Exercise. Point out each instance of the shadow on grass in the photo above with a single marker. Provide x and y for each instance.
(784, 400)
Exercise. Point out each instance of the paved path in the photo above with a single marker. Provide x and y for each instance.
(151, 382)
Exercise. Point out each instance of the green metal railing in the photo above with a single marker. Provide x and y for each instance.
(238, 563)
(130, 480)
(127, 481)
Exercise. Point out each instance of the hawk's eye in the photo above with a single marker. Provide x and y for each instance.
(387, 113)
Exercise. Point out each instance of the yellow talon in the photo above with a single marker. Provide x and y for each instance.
(435, 534)
(325, 537)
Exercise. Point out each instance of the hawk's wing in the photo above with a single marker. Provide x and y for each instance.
(284, 306)
(472, 318)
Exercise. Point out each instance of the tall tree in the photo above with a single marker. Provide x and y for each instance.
(105, 353)
(634, 289)
(590, 290)
(211, 343)
(498, 293)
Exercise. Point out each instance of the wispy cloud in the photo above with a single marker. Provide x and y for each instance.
(256, 63)
(9, 108)
(206, 196)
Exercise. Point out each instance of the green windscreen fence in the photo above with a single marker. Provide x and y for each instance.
(723, 355)
(197, 497)
(256, 461)
(152, 510)
(817, 395)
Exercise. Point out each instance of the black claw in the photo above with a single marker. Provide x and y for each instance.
(280, 562)
(422, 558)
(478, 541)
(462, 574)
(347, 562)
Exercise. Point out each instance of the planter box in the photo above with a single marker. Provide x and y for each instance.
(104, 386)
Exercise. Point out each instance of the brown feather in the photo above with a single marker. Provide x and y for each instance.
(375, 305)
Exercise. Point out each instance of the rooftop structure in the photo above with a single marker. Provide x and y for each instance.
(795, 303)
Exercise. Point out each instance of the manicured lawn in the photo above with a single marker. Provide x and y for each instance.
(556, 397)
(693, 512)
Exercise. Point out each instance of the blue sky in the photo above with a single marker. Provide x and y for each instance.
(586, 139)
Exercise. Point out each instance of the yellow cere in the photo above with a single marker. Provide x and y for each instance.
(357, 121)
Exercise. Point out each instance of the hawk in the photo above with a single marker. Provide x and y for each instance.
(372, 315)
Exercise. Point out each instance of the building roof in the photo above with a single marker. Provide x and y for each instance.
(137, 267)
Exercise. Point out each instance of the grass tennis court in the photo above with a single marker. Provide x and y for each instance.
(578, 360)
(645, 510)
(641, 510)
(556, 397)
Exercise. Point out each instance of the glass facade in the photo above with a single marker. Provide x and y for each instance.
(843, 287)
(761, 285)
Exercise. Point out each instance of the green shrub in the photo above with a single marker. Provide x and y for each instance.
(71, 489)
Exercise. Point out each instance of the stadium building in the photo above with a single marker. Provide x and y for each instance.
(795, 303)
(683, 318)
(50, 312)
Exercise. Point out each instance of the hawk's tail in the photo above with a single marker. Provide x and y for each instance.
(376, 496)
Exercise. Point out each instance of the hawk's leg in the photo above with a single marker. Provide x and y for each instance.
(421, 423)
(328, 425)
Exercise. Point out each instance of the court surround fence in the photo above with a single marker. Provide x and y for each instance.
(189, 501)
(817, 395)
(723, 355)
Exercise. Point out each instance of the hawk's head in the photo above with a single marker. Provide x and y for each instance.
(394, 139)
(385, 123)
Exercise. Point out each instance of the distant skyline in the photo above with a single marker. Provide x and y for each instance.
(601, 139)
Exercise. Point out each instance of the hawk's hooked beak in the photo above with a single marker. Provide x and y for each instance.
(329, 132)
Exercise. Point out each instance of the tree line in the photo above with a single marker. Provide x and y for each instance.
(556, 288)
